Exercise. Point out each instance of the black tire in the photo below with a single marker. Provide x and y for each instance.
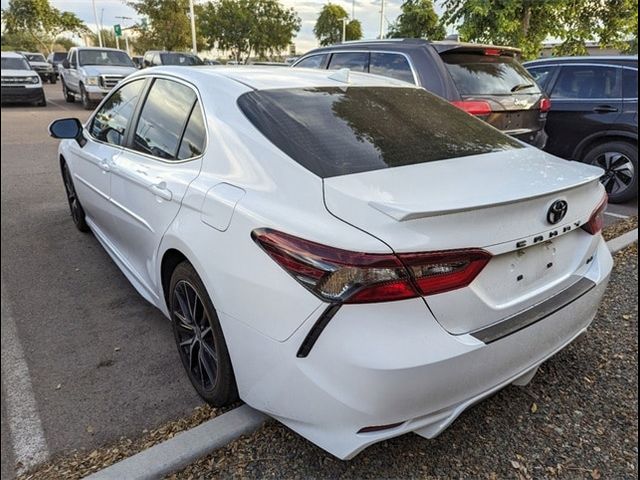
(619, 159)
(84, 98)
(69, 97)
(53, 79)
(197, 333)
(77, 212)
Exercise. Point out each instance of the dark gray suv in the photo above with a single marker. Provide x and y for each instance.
(484, 80)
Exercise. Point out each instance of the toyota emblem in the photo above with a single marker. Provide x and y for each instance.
(557, 211)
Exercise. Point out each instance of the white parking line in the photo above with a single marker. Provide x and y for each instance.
(616, 215)
(27, 436)
(60, 105)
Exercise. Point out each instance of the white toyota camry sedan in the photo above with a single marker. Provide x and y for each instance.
(347, 253)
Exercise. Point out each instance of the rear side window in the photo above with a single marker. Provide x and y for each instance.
(587, 82)
(391, 65)
(342, 130)
(476, 74)
(163, 119)
(193, 140)
(110, 122)
(629, 83)
(542, 75)
(355, 61)
(314, 61)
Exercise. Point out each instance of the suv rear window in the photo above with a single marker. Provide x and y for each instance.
(335, 131)
(476, 74)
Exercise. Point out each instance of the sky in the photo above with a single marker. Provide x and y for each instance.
(367, 11)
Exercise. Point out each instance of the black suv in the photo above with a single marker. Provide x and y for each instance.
(594, 115)
(154, 58)
(484, 80)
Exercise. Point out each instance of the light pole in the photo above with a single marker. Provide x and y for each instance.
(381, 19)
(126, 38)
(344, 30)
(95, 15)
(193, 28)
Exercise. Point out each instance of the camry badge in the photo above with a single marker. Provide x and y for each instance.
(557, 211)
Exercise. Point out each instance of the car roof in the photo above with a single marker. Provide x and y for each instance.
(99, 48)
(268, 77)
(12, 55)
(615, 59)
(404, 44)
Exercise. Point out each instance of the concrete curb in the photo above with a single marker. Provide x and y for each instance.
(623, 241)
(189, 446)
(185, 448)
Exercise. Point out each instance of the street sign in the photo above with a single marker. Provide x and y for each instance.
(117, 30)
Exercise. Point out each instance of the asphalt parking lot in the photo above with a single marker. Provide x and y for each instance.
(99, 361)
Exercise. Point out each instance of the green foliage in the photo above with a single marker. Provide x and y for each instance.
(167, 24)
(527, 23)
(40, 21)
(328, 28)
(417, 20)
(246, 27)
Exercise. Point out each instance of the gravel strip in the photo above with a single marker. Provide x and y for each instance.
(619, 228)
(82, 463)
(577, 419)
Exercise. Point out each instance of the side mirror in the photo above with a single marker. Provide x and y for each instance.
(65, 63)
(67, 128)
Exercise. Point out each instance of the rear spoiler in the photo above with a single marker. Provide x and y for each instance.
(450, 46)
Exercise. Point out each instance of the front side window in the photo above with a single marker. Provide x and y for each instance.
(314, 61)
(355, 61)
(479, 74)
(110, 122)
(587, 82)
(163, 119)
(174, 58)
(629, 83)
(391, 65)
(342, 130)
(105, 57)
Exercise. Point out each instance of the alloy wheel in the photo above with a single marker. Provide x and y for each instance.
(195, 336)
(619, 171)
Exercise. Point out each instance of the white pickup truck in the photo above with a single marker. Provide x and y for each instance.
(91, 73)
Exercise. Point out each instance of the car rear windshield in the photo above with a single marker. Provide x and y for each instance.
(479, 74)
(180, 59)
(9, 63)
(335, 131)
(105, 57)
(59, 56)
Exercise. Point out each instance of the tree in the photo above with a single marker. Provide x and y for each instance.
(527, 23)
(167, 25)
(417, 20)
(246, 27)
(328, 28)
(42, 22)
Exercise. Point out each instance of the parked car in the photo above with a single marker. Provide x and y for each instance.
(91, 73)
(154, 58)
(20, 83)
(594, 115)
(41, 66)
(484, 80)
(349, 253)
(55, 59)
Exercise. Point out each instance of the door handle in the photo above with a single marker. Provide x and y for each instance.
(161, 190)
(105, 165)
(605, 109)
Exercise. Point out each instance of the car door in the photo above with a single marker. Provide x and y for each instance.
(585, 99)
(72, 76)
(149, 179)
(91, 164)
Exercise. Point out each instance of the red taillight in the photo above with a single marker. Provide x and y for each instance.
(545, 105)
(473, 107)
(337, 275)
(494, 52)
(596, 222)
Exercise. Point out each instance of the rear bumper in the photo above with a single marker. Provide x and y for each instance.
(22, 94)
(537, 138)
(393, 363)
